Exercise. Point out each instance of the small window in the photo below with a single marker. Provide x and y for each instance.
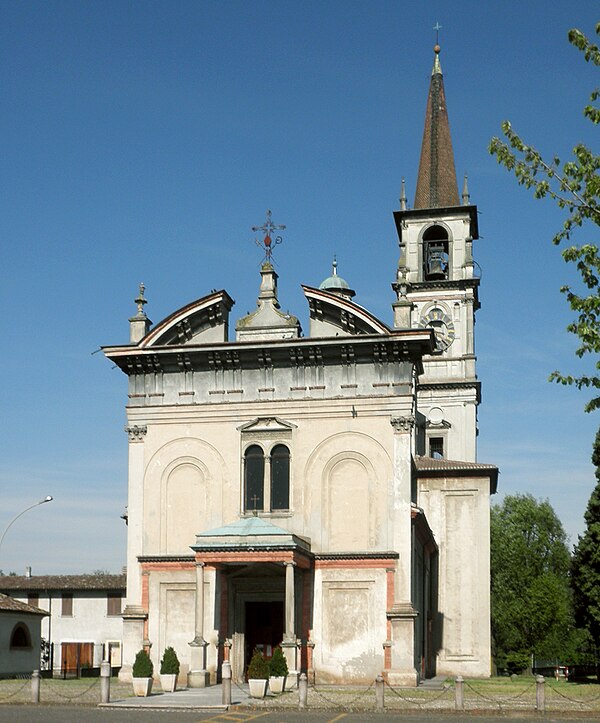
(435, 254)
(280, 478)
(436, 447)
(33, 598)
(67, 605)
(113, 603)
(254, 475)
(20, 637)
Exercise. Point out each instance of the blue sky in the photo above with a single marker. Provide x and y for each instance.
(142, 140)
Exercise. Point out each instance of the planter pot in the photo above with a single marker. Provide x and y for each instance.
(168, 682)
(142, 686)
(277, 683)
(258, 687)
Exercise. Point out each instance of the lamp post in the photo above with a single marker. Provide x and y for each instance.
(48, 498)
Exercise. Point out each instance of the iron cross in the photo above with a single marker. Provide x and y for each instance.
(267, 228)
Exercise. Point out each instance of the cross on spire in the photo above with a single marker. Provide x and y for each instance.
(437, 27)
(267, 243)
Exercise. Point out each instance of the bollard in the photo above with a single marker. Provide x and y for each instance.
(379, 693)
(35, 686)
(105, 681)
(226, 683)
(459, 693)
(540, 693)
(302, 691)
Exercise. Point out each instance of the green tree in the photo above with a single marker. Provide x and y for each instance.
(585, 570)
(575, 187)
(531, 598)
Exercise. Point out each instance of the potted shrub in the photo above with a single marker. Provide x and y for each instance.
(278, 670)
(258, 675)
(169, 670)
(142, 674)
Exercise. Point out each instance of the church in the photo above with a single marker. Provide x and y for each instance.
(320, 490)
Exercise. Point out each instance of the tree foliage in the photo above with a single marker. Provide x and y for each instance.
(575, 187)
(585, 577)
(531, 599)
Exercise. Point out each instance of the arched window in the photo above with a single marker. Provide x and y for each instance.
(254, 476)
(280, 477)
(20, 637)
(435, 254)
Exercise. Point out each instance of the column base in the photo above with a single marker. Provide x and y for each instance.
(198, 679)
(402, 679)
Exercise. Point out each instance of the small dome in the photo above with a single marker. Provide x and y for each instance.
(336, 284)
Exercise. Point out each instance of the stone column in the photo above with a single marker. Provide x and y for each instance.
(134, 614)
(290, 644)
(198, 677)
(402, 614)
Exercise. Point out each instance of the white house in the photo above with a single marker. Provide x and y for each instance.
(83, 624)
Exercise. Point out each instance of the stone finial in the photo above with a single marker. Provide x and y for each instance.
(139, 325)
(403, 197)
(466, 198)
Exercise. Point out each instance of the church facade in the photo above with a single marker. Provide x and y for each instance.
(304, 490)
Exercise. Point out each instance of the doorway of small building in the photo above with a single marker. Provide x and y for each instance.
(74, 658)
(264, 627)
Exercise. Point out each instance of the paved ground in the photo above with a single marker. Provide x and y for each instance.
(74, 714)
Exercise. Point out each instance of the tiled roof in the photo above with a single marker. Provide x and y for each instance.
(62, 582)
(439, 467)
(9, 605)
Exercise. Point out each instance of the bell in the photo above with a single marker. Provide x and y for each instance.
(436, 263)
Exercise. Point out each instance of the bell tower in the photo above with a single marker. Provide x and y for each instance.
(436, 287)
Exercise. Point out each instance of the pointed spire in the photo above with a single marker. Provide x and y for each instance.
(402, 197)
(436, 183)
(466, 198)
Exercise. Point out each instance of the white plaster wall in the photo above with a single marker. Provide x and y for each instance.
(349, 624)
(19, 661)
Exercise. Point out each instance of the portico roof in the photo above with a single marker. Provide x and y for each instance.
(249, 533)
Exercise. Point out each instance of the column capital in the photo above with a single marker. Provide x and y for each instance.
(136, 432)
(290, 563)
(402, 424)
(200, 563)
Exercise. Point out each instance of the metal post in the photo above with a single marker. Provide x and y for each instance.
(379, 692)
(302, 691)
(35, 686)
(459, 693)
(226, 683)
(104, 681)
(540, 693)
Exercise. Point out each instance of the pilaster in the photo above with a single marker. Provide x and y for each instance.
(198, 677)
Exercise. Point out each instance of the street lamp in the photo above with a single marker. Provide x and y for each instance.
(47, 498)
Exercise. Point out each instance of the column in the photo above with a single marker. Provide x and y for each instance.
(134, 614)
(290, 644)
(402, 614)
(198, 677)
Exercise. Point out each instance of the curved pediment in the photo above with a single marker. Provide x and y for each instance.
(335, 315)
(205, 320)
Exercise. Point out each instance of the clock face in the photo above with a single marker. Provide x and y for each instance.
(442, 326)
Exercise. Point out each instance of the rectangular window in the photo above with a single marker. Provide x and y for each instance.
(436, 447)
(67, 605)
(113, 603)
(33, 598)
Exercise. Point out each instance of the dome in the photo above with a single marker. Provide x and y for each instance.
(336, 284)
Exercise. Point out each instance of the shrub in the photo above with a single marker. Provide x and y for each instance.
(517, 662)
(142, 667)
(258, 668)
(169, 664)
(278, 666)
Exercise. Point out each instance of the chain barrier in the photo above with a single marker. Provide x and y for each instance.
(589, 701)
(18, 690)
(417, 701)
(50, 687)
(499, 701)
(336, 703)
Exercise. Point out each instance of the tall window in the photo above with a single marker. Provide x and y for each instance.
(67, 604)
(33, 598)
(113, 603)
(254, 477)
(436, 447)
(435, 254)
(280, 477)
(20, 637)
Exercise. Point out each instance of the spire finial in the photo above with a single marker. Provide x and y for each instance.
(466, 198)
(334, 266)
(267, 242)
(141, 300)
(437, 27)
(403, 196)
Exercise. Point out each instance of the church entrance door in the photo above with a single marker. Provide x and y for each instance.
(264, 626)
